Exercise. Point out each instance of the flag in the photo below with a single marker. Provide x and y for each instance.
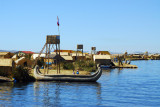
(57, 21)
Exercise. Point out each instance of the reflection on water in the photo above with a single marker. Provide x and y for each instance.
(108, 71)
(116, 87)
(49, 93)
(6, 91)
(54, 93)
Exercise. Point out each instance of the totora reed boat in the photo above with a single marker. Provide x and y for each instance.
(72, 78)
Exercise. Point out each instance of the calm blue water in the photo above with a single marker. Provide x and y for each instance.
(116, 88)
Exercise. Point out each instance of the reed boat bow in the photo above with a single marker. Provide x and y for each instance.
(72, 78)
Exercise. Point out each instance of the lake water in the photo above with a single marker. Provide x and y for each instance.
(116, 88)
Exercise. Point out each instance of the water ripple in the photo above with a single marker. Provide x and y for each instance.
(116, 88)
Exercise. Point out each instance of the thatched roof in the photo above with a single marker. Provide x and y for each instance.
(67, 58)
(104, 52)
(101, 57)
(4, 53)
(6, 62)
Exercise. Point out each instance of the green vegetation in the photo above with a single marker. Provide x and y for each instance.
(68, 65)
(84, 65)
(22, 74)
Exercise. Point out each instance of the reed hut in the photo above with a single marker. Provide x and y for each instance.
(52, 58)
(67, 58)
(6, 54)
(102, 59)
(6, 65)
(23, 62)
(78, 56)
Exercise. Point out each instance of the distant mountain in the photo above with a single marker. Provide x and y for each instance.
(2, 51)
(12, 51)
(138, 52)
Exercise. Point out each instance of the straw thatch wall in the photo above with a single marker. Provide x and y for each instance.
(6, 66)
(5, 69)
(78, 56)
(6, 62)
(6, 55)
(102, 59)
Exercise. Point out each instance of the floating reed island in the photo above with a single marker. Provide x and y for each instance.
(123, 65)
(120, 62)
(55, 61)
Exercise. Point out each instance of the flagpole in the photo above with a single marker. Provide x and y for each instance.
(58, 46)
(58, 30)
(58, 25)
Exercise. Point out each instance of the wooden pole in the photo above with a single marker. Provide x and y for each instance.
(39, 55)
(59, 59)
(56, 59)
(48, 57)
(45, 60)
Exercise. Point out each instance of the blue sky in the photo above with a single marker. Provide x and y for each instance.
(113, 25)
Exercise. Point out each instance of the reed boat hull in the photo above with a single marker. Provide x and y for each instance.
(71, 78)
(5, 79)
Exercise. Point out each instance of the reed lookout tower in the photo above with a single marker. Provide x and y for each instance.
(52, 44)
